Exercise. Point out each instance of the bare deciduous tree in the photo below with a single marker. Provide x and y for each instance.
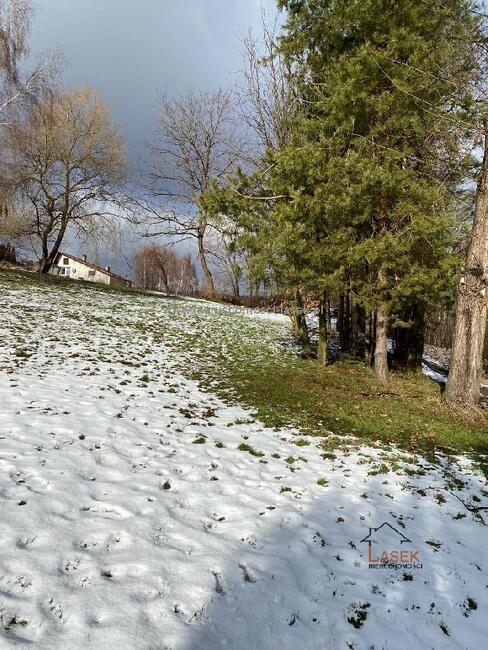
(186, 279)
(66, 163)
(267, 99)
(17, 86)
(152, 267)
(157, 267)
(15, 23)
(197, 142)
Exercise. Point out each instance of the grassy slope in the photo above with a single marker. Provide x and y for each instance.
(247, 359)
(345, 398)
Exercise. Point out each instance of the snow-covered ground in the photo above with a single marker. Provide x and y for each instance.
(140, 511)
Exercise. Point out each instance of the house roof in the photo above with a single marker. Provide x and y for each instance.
(92, 266)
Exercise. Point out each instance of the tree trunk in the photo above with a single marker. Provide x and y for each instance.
(322, 354)
(294, 312)
(234, 279)
(381, 341)
(409, 341)
(344, 322)
(415, 349)
(485, 347)
(369, 336)
(299, 323)
(463, 384)
(358, 327)
(162, 271)
(47, 259)
(203, 261)
(356, 331)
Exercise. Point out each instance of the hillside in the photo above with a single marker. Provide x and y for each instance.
(166, 483)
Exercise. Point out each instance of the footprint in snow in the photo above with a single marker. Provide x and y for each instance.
(25, 542)
(107, 511)
(14, 586)
(219, 586)
(71, 564)
(247, 574)
(55, 610)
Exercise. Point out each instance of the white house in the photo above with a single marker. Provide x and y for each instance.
(78, 268)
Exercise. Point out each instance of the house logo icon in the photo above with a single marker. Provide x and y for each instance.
(388, 548)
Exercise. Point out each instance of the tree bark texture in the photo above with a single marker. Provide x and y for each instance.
(381, 341)
(463, 384)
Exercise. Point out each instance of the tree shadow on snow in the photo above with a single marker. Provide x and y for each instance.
(305, 583)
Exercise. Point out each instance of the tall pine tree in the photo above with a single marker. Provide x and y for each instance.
(381, 78)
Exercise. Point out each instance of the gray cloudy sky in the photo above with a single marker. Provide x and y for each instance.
(128, 49)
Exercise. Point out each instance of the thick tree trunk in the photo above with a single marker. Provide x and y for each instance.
(294, 315)
(381, 345)
(415, 349)
(381, 341)
(41, 262)
(202, 256)
(463, 384)
(48, 258)
(322, 354)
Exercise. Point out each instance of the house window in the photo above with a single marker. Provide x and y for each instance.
(91, 273)
(65, 260)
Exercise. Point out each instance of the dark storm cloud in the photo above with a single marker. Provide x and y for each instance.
(129, 49)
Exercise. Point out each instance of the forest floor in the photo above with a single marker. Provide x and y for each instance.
(173, 475)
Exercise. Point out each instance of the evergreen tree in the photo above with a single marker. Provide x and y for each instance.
(380, 78)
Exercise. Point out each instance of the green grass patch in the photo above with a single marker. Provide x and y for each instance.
(345, 399)
(250, 450)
